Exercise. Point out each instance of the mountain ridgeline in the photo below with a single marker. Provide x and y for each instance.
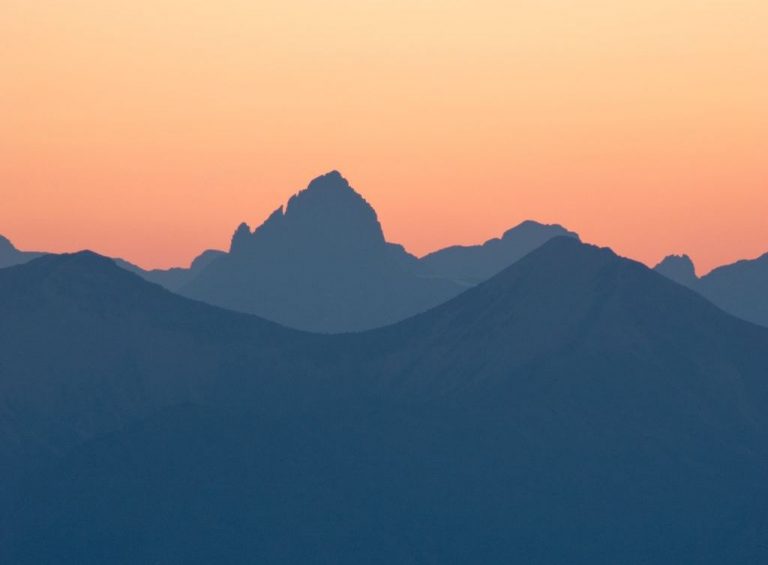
(740, 288)
(322, 264)
(576, 407)
(10, 256)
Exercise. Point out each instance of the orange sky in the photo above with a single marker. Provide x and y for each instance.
(149, 129)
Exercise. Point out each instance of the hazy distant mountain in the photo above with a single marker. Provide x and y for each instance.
(679, 268)
(740, 288)
(175, 277)
(476, 263)
(575, 408)
(321, 264)
(9, 255)
(171, 279)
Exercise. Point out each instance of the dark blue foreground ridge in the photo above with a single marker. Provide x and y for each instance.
(577, 407)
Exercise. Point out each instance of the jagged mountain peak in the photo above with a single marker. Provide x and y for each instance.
(327, 216)
(679, 268)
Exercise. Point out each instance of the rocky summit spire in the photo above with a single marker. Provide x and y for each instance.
(330, 209)
(327, 218)
(678, 268)
(240, 238)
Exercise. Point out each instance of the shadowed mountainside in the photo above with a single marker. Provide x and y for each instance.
(171, 279)
(577, 407)
(740, 288)
(175, 277)
(679, 268)
(321, 264)
(475, 263)
(10, 256)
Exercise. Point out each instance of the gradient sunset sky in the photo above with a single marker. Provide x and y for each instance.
(149, 129)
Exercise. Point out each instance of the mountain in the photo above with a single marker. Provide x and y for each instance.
(679, 268)
(476, 263)
(175, 277)
(320, 264)
(577, 407)
(88, 346)
(172, 279)
(10, 256)
(740, 288)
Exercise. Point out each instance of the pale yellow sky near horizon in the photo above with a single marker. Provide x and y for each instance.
(150, 129)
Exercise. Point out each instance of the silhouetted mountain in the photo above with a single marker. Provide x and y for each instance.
(679, 268)
(171, 279)
(321, 264)
(740, 288)
(175, 277)
(86, 346)
(575, 408)
(476, 263)
(10, 256)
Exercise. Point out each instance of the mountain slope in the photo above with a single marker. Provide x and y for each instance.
(10, 256)
(476, 263)
(679, 268)
(175, 277)
(88, 346)
(577, 407)
(741, 288)
(322, 264)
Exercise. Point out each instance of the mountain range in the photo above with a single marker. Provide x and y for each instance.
(10, 256)
(740, 288)
(321, 263)
(576, 407)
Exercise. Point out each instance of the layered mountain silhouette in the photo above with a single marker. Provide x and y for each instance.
(475, 263)
(322, 264)
(679, 268)
(740, 288)
(172, 279)
(10, 256)
(577, 407)
(175, 277)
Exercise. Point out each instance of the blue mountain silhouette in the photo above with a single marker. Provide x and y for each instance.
(740, 288)
(322, 264)
(576, 407)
